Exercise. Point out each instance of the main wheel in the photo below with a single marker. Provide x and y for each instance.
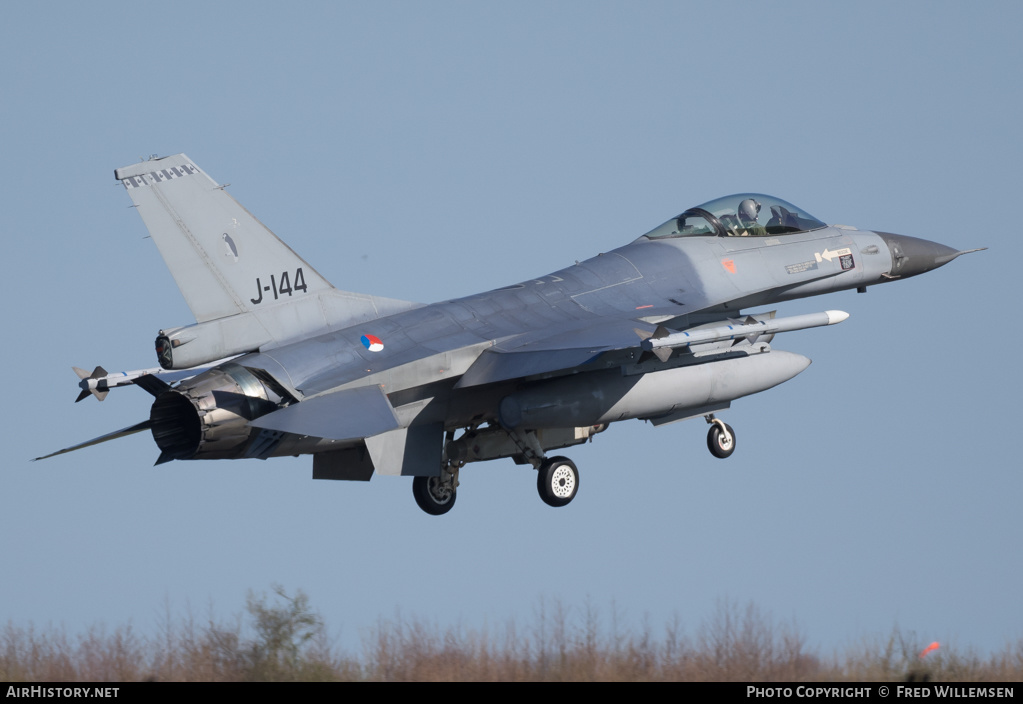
(432, 496)
(557, 481)
(721, 440)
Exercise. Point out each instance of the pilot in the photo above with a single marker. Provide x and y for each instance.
(748, 211)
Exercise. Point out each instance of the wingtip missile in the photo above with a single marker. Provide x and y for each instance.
(99, 382)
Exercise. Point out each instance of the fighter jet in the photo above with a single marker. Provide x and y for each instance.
(279, 362)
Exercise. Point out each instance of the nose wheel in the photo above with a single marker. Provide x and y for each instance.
(720, 438)
(557, 481)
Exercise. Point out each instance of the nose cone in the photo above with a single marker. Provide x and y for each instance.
(912, 255)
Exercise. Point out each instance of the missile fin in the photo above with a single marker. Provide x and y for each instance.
(97, 373)
(154, 385)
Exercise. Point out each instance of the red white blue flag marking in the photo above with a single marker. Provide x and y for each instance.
(372, 343)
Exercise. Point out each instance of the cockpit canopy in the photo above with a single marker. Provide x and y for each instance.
(740, 215)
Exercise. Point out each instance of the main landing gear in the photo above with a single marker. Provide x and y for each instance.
(720, 438)
(436, 495)
(557, 480)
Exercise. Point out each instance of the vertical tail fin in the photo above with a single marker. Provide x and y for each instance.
(215, 249)
(249, 288)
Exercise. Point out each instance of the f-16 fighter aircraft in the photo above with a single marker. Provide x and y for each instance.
(279, 362)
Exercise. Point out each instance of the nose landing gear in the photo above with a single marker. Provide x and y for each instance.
(720, 438)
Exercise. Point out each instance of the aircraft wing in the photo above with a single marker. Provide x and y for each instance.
(567, 350)
(544, 352)
(493, 366)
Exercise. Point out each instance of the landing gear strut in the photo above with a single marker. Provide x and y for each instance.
(436, 495)
(720, 438)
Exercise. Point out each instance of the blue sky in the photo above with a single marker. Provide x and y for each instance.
(432, 150)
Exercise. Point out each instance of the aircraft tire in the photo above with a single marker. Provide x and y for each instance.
(557, 481)
(424, 490)
(721, 443)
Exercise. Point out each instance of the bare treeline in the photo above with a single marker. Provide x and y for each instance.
(282, 639)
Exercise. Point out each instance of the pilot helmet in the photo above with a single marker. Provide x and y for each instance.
(748, 210)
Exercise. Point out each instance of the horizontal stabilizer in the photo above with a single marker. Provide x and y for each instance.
(137, 428)
(342, 415)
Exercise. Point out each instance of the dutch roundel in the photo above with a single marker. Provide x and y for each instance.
(372, 343)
